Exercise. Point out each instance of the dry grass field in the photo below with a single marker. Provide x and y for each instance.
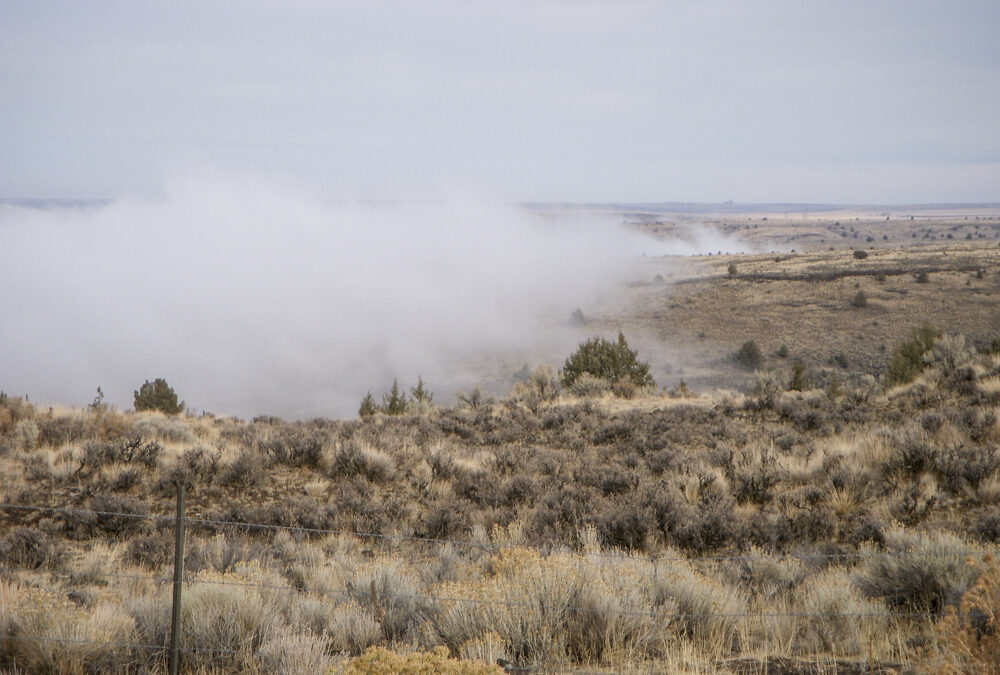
(735, 526)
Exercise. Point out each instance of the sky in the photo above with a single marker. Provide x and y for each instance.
(883, 101)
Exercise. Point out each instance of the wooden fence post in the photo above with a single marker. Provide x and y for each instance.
(175, 616)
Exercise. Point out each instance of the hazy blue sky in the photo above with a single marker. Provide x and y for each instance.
(842, 101)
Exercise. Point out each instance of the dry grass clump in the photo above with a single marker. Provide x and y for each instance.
(351, 628)
(589, 386)
(49, 633)
(358, 458)
(295, 653)
(163, 427)
(540, 388)
(381, 661)
(764, 574)
(707, 610)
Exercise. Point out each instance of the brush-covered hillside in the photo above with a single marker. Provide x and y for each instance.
(586, 527)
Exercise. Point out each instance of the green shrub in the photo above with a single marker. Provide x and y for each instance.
(908, 359)
(922, 278)
(859, 299)
(749, 355)
(611, 361)
(798, 381)
(783, 351)
(158, 395)
(860, 255)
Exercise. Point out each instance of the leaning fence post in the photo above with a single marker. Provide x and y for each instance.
(175, 616)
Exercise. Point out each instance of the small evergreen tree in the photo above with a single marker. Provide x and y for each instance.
(394, 403)
(798, 381)
(158, 395)
(368, 407)
(611, 361)
(420, 393)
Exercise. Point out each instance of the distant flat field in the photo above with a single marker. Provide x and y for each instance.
(855, 227)
(696, 314)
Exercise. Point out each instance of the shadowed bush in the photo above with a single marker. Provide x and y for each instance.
(919, 572)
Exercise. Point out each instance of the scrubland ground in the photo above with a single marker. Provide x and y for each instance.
(847, 527)
(806, 303)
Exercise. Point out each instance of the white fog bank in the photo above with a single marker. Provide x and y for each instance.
(251, 297)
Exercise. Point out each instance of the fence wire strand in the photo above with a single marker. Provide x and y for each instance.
(361, 593)
(554, 549)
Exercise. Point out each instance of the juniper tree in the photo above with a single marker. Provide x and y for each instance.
(611, 361)
(158, 395)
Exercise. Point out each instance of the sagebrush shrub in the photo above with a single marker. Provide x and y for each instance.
(917, 572)
(765, 391)
(29, 547)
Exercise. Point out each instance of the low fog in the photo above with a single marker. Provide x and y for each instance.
(253, 297)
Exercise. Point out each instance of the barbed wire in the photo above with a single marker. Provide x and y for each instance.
(360, 592)
(555, 549)
(111, 643)
(6, 570)
(136, 646)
